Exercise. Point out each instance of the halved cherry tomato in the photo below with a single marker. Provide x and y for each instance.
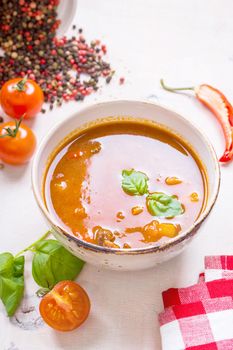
(66, 307)
(21, 97)
(17, 143)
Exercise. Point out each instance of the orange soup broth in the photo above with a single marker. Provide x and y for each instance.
(82, 186)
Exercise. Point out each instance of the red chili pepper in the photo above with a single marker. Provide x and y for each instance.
(221, 108)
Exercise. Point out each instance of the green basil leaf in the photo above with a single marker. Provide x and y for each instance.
(134, 182)
(42, 271)
(18, 266)
(52, 263)
(6, 263)
(11, 281)
(163, 205)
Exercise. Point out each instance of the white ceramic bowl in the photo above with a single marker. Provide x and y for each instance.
(140, 258)
(66, 13)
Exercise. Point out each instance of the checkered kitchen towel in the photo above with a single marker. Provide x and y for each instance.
(203, 325)
(200, 317)
(197, 292)
(218, 267)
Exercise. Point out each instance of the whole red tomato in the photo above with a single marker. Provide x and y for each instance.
(17, 143)
(21, 97)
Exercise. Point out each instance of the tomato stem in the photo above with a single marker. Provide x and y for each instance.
(31, 246)
(20, 86)
(168, 88)
(42, 291)
(12, 132)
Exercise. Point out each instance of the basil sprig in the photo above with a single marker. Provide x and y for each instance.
(134, 182)
(162, 205)
(52, 263)
(11, 281)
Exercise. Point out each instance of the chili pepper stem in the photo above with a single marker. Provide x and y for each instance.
(33, 244)
(171, 89)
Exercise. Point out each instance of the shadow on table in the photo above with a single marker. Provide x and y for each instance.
(13, 173)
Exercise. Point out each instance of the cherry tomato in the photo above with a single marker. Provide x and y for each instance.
(21, 97)
(17, 143)
(66, 307)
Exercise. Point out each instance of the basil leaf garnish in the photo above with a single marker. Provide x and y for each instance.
(11, 281)
(163, 205)
(134, 182)
(52, 263)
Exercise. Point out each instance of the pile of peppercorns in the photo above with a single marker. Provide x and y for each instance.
(28, 39)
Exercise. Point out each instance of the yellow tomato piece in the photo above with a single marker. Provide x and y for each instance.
(136, 210)
(151, 232)
(173, 181)
(168, 230)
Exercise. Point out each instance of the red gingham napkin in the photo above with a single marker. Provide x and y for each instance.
(203, 325)
(197, 292)
(200, 317)
(218, 267)
(223, 262)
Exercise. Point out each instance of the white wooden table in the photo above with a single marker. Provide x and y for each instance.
(185, 42)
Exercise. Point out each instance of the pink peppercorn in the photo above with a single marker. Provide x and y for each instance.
(121, 80)
(104, 49)
(82, 52)
(59, 76)
(105, 73)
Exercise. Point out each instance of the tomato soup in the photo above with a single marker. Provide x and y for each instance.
(125, 183)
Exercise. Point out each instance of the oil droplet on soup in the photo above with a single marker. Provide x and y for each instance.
(83, 187)
(194, 197)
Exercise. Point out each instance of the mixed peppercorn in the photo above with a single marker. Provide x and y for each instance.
(65, 68)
